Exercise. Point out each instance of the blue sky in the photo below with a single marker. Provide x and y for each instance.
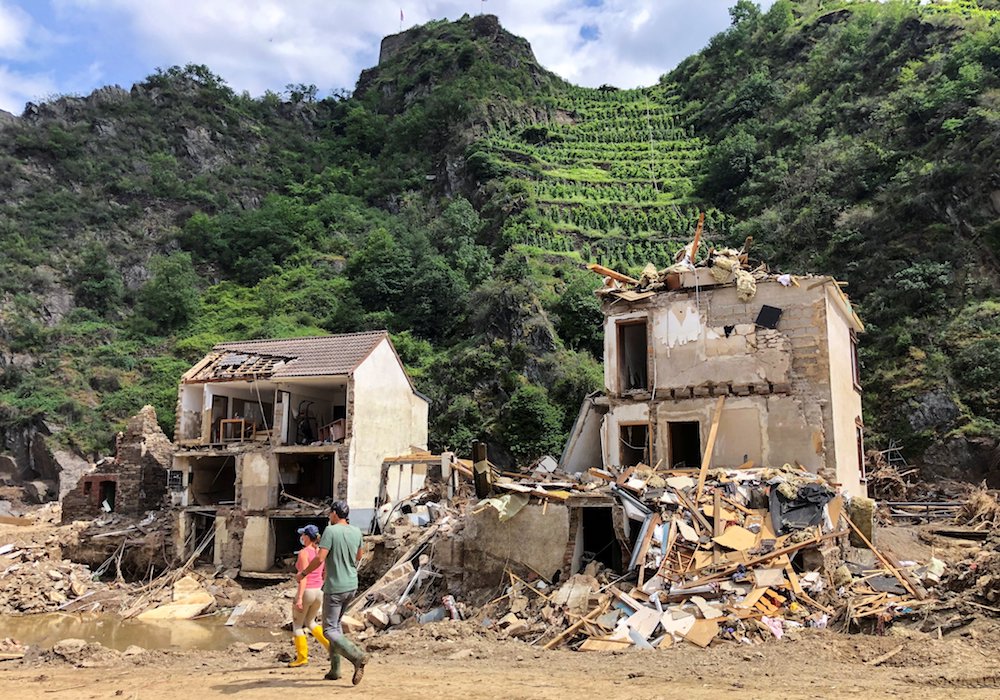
(50, 47)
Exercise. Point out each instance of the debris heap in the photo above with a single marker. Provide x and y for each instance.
(744, 554)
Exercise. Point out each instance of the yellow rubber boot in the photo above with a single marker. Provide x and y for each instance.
(301, 651)
(320, 637)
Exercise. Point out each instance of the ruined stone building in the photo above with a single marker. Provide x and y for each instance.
(785, 362)
(267, 430)
(131, 483)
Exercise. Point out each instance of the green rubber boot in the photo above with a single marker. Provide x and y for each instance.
(334, 673)
(353, 653)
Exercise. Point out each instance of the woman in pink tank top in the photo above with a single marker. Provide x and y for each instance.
(308, 597)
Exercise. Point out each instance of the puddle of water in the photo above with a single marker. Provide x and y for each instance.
(208, 634)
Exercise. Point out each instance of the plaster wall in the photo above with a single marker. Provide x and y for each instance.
(388, 418)
(845, 398)
(259, 472)
(258, 544)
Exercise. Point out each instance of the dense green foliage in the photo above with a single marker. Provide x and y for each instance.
(453, 198)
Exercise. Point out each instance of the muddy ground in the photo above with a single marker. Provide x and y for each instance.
(463, 660)
(820, 664)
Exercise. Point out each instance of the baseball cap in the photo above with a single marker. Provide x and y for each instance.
(340, 508)
(311, 530)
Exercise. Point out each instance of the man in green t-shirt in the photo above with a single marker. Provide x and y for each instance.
(340, 548)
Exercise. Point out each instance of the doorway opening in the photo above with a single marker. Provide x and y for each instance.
(107, 495)
(599, 540)
(685, 444)
(632, 356)
(204, 525)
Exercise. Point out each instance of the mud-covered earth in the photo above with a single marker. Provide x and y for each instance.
(448, 660)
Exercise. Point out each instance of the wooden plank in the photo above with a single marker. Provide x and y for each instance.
(751, 598)
(697, 237)
(881, 557)
(696, 515)
(718, 524)
(605, 644)
(608, 272)
(793, 579)
(702, 632)
(822, 608)
(668, 546)
(914, 582)
(654, 522)
(885, 657)
(726, 573)
(706, 459)
(571, 630)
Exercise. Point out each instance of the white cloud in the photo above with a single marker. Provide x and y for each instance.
(15, 25)
(266, 44)
(16, 88)
(21, 39)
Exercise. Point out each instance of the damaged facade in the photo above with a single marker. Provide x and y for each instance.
(269, 430)
(131, 483)
(768, 376)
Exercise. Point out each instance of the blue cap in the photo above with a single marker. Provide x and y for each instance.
(311, 530)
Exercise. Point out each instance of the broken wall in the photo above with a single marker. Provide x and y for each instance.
(257, 548)
(704, 343)
(535, 538)
(229, 534)
(585, 446)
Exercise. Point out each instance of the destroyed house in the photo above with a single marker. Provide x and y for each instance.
(700, 371)
(270, 431)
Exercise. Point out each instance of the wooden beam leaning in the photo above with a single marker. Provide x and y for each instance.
(706, 459)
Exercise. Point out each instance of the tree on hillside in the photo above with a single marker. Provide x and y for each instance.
(170, 298)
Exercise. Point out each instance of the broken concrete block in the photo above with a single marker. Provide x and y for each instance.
(377, 617)
(40, 491)
(861, 511)
(351, 625)
(511, 625)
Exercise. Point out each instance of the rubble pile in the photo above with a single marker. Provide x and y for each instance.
(720, 266)
(743, 555)
(975, 582)
(33, 580)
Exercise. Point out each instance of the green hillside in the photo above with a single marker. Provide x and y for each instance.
(455, 195)
(610, 175)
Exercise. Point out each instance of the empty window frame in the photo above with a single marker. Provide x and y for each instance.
(633, 444)
(859, 431)
(685, 444)
(855, 362)
(633, 355)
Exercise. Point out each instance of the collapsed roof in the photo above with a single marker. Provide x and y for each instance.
(318, 356)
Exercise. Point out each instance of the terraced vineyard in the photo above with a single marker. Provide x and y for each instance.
(610, 177)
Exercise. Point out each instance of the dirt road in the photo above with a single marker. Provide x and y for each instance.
(820, 665)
